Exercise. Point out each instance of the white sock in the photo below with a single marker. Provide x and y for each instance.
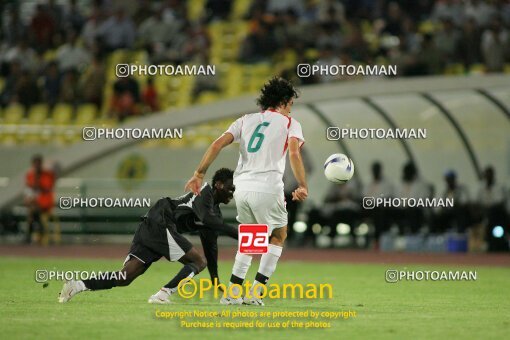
(241, 265)
(269, 260)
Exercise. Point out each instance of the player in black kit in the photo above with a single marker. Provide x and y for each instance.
(160, 235)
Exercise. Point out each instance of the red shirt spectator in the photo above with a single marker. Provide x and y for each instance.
(150, 96)
(41, 183)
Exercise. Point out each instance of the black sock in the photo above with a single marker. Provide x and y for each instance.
(261, 278)
(182, 274)
(236, 280)
(100, 284)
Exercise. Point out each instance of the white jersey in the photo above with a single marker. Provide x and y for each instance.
(263, 141)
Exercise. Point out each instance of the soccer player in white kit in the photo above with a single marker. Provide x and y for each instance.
(264, 139)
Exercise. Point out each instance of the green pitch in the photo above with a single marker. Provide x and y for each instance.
(422, 309)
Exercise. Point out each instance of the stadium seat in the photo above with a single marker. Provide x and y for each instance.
(240, 9)
(2, 84)
(196, 9)
(477, 69)
(13, 114)
(427, 26)
(62, 114)
(38, 114)
(86, 114)
(207, 97)
(455, 69)
(50, 55)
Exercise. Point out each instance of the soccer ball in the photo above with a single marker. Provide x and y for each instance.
(338, 168)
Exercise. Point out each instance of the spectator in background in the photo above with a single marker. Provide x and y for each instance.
(71, 55)
(196, 46)
(491, 195)
(311, 13)
(217, 9)
(92, 82)
(355, 43)
(150, 96)
(451, 9)
(491, 201)
(329, 11)
(259, 45)
(73, 19)
(430, 59)
(393, 20)
(125, 98)
(57, 14)
(452, 218)
(329, 37)
(447, 41)
(13, 28)
(39, 200)
(8, 94)
(495, 46)
(26, 91)
(51, 84)
(290, 31)
(70, 89)
(290, 185)
(90, 32)
(274, 6)
(469, 43)
(42, 28)
(174, 10)
(411, 219)
(23, 54)
(481, 11)
(328, 58)
(118, 31)
(155, 33)
(379, 187)
(341, 205)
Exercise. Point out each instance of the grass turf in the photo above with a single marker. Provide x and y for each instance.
(421, 309)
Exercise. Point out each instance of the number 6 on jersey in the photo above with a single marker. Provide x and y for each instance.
(258, 135)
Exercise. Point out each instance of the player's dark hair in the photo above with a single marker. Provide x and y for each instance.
(276, 92)
(222, 175)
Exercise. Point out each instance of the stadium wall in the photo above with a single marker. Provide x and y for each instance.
(467, 118)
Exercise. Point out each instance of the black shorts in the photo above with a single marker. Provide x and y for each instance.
(157, 236)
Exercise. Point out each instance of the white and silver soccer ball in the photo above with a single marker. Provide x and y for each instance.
(338, 168)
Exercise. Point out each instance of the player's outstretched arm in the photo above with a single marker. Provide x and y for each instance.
(195, 182)
(298, 169)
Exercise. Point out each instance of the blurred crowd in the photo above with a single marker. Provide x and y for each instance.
(474, 213)
(55, 51)
(421, 37)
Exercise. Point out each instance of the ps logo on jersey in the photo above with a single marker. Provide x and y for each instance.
(253, 238)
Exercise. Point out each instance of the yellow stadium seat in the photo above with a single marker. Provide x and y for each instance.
(13, 114)
(312, 54)
(240, 9)
(477, 69)
(207, 97)
(86, 114)
(37, 114)
(50, 55)
(454, 69)
(195, 9)
(427, 26)
(62, 114)
(139, 56)
(507, 68)
(2, 83)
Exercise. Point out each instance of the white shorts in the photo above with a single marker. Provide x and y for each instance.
(261, 208)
